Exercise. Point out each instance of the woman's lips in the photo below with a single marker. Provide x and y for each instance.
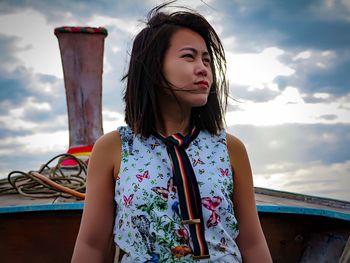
(202, 84)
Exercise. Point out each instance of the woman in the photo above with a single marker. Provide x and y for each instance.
(172, 186)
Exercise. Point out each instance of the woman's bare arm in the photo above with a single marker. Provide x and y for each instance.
(95, 238)
(251, 240)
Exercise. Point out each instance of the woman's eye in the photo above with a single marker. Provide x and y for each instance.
(188, 56)
(206, 60)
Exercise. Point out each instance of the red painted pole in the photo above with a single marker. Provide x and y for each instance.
(82, 61)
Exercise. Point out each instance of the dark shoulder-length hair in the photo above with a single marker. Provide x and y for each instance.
(145, 76)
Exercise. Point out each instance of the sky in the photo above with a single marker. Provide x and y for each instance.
(288, 69)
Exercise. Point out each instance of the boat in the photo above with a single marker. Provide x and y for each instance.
(298, 227)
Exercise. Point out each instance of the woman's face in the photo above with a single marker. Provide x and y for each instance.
(187, 66)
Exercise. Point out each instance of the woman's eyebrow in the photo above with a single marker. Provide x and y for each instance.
(194, 50)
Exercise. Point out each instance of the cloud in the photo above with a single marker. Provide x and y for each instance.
(13, 87)
(23, 94)
(289, 106)
(25, 150)
(298, 144)
(37, 46)
(328, 116)
(32, 117)
(331, 10)
(12, 76)
(310, 159)
(287, 24)
(81, 10)
(244, 93)
(318, 72)
(296, 28)
(112, 120)
(265, 66)
(330, 181)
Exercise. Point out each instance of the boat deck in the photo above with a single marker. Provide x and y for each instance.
(267, 201)
(285, 202)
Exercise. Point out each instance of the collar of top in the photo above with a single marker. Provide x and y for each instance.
(178, 139)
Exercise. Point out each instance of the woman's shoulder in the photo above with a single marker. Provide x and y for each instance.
(107, 146)
(107, 150)
(108, 140)
(233, 141)
(236, 148)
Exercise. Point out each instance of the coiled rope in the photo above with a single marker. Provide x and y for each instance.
(48, 181)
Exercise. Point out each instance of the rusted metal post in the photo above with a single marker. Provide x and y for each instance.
(82, 61)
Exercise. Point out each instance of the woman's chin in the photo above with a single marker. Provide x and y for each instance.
(193, 100)
(198, 103)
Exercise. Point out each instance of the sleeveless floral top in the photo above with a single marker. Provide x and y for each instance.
(148, 224)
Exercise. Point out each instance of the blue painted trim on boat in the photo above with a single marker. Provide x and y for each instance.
(41, 207)
(302, 211)
(260, 208)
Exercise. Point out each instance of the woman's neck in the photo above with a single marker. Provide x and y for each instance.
(175, 118)
(171, 126)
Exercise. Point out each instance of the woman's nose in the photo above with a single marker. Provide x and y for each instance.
(201, 69)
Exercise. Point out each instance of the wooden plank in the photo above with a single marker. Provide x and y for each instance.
(294, 237)
(38, 237)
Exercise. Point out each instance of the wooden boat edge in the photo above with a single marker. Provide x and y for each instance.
(260, 209)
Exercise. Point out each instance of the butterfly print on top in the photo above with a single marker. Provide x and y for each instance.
(148, 219)
(128, 200)
(140, 177)
(211, 204)
(164, 192)
(223, 172)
